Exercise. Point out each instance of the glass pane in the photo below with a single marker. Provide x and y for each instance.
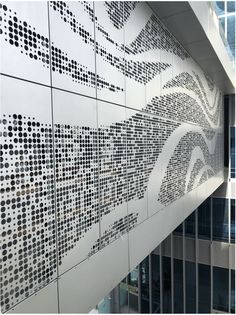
(145, 285)
(230, 6)
(190, 225)
(204, 220)
(232, 221)
(178, 286)
(179, 230)
(222, 22)
(124, 305)
(220, 7)
(204, 289)
(231, 33)
(155, 283)
(232, 291)
(104, 306)
(166, 285)
(190, 275)
(220, 289)
(133, 290)
(220, 219)
(232, 151)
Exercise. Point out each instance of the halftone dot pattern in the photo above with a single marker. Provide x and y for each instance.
(115, 230)
(96, 169)
(28, 260)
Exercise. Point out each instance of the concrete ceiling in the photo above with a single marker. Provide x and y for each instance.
(185, 26)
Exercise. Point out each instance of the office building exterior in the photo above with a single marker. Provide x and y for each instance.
(112, 137)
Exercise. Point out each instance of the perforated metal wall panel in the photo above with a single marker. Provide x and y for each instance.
(107, 125)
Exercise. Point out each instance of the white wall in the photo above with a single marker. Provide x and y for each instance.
(112, 136)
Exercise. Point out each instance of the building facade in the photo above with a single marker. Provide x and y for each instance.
(111, 135)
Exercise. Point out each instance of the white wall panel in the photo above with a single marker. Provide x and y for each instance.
(72, 45)
(44, 302)
(84, 286)
(132, 146)
(24, 40)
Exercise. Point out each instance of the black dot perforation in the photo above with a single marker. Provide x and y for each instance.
(28, 259)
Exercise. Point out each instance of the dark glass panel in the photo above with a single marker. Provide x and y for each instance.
(204, 289)
(232, 308)
(190, 225)
(145, 285)
(220, 219)
(204, 220)
(179, 230)
(155, 283)
(166, 284)
(190, 278)
(232, 221)
(220, 289)
(232, 149)
(178, 286)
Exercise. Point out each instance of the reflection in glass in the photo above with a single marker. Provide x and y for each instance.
(123, 294)
(232, 308)
(220, 219)
(155, 283)
(133, 290)
(204, 289)
(145, 285)
(230, 6)
(220, 289)
(231, 40)
(104, 306)
(190, 225)
(220, 7)
(178, 286)
(190, 278)
(166, 284)
(204, 220)
(232, 221)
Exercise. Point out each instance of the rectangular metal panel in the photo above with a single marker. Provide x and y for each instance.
(81, 288)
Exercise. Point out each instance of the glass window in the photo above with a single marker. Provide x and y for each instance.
(231, 34)
(204, 220)
(222, 23)
(204, 289)
(230, 6)
(166, 284)
(232, 221)
(232, 151)
(123, 294)
(190, 225)
(220, 289)
(220, 7)
(190, 278)
(133, 290)
(179, 230)
(178, 286)
(220, 219)
(155, 283)
(145, 285)
(104, 306)
(232, 310)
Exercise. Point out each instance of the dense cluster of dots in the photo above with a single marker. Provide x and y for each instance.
(28, 260)
(115, 230)
(185, 80)
(119, 11)
(179, 106)
(67, 178)
(174, 181)
(198, 165)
